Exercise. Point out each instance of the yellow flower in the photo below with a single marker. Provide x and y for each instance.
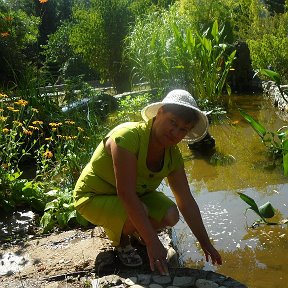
(43, 1)
(5, 130)
(80, 129)
(33, 127)
(70, 122)
(15, 110)
(21, 102)
(48, 154)
(17, 123)
(57, 124)
(10, 108)
(1, 110)
(2, 95)
(35, 110)
(3, 118)
(70, 137)
(54, 129)
(37, 122)
(49, 139)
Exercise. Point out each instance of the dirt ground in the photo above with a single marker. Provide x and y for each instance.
(64, 259)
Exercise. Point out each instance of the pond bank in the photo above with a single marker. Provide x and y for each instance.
(85, 258)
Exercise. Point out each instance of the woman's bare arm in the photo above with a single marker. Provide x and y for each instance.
(191, 213)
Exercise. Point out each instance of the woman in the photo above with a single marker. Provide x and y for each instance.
(117, 188)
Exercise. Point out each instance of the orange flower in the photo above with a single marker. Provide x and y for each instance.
(48, 154)
(27, 132)
(5, 34)
(5, 166)
(43, 1)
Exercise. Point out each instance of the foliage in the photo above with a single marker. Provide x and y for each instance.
(59, 210)
(16, 192)
(18, 34)
(97, 35)
(166, 52)
(264, 211)
(269, 47)
(130, 108)
(202, 15)
(276, 142)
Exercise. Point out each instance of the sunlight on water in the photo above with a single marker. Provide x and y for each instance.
(257, 257)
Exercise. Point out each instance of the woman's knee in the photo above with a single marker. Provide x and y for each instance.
(171, 217)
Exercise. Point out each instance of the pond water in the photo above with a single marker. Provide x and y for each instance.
(257, 257)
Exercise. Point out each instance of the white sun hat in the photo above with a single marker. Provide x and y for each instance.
(181, 98)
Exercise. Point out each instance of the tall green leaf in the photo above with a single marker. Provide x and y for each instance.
(261, 131)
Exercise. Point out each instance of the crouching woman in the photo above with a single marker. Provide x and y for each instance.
(118, 188)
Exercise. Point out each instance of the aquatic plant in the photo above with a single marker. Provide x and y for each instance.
(264, 211)
(275, 141)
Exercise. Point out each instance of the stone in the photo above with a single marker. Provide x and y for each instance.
(203, 283)
(172, 258)
(144, 279)
(161, 279)
(172, 287)
(131, 281)
(153, 285)
(137, 286)
(183, 281)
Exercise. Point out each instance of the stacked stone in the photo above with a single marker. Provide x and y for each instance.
(158, 281)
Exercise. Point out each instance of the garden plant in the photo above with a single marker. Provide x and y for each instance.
(165, 44)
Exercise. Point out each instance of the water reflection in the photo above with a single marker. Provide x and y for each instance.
(257, 257)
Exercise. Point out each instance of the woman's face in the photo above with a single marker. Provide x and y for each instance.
(169, 128)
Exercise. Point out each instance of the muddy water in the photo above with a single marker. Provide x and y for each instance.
(257, 257)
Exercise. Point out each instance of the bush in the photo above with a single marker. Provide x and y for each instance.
(168, 53)
(18, 35)
(269, 48)
(97, 35)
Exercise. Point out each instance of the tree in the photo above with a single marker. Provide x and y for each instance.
(18, 34)
(98, 35)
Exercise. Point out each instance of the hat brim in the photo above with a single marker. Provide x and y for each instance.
(197, 133)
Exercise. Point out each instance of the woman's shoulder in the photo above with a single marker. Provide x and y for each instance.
(129, 127)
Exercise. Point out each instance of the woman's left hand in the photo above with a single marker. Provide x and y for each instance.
(212, 253)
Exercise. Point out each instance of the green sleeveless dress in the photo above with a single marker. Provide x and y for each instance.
(95, 195)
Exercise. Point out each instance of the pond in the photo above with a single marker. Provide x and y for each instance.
(258, 256)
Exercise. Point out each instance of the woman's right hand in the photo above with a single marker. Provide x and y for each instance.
(158, 257)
